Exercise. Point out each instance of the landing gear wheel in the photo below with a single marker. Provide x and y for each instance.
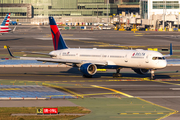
(116, 75)
(152, 75)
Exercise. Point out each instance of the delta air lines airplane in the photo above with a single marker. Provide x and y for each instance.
(89, 60)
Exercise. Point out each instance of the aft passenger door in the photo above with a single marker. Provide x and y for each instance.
(126, 58)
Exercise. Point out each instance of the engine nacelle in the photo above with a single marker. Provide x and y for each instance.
(141, 71)
(88, 69)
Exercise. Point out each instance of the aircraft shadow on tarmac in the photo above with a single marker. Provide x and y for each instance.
(11, 39)
(75, 71)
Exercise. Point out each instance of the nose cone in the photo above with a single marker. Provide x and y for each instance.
(162, 64)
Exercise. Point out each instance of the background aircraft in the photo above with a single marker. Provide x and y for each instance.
(4, 28)
(89, 60)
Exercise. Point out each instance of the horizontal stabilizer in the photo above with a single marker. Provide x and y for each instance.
(27, 52)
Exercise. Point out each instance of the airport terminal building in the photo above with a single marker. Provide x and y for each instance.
(66, 10)
(159, 7)
(40, 9)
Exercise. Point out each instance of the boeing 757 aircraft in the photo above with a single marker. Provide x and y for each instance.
(89, 60)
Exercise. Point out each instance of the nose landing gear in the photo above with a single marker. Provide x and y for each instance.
(152, 75)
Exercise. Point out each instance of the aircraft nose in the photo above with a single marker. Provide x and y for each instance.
(162, 64)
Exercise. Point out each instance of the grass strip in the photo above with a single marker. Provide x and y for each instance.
(5, 113)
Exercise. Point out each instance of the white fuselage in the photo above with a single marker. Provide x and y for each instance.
(123, 58)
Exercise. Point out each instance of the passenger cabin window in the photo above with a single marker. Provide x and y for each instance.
(158, 58)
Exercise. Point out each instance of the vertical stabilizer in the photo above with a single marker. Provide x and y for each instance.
(56, 35)
(6, 20)
(171, 49)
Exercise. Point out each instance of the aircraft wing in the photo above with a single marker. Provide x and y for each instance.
(103, 63)
(96, 62)
(167, 56)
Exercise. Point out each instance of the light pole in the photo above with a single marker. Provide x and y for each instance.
(178, 20)
(164, 12)
(107, 11)
(97, 14)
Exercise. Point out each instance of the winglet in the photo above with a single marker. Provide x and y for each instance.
(171, 51)
(7, 47)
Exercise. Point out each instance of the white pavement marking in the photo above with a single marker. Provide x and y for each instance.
(173, 64)
(175, 88)
(158, 96)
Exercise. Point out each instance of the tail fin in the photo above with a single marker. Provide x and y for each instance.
(171, 49)
(6, 20)
(56, 35)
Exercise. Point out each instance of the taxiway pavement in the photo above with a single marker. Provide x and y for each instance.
(163, 91)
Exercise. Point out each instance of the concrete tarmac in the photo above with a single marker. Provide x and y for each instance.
(163, 91)
(39, 38)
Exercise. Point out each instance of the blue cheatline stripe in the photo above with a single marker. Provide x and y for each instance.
(5, 19)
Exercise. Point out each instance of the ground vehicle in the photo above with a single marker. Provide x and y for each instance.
(13, 23)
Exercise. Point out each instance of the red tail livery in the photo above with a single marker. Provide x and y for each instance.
(56, 35)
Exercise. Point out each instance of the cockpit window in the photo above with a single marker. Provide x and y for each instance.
(158, 58)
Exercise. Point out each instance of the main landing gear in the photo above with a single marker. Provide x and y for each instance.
(117, 74)
(152, 75)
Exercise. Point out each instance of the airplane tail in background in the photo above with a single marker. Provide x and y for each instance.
(58, 41)
(6, 20)
(171, 49)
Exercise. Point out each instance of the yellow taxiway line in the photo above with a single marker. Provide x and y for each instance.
(174, 111)
(6, 89)
(116, 91)
(69, 91)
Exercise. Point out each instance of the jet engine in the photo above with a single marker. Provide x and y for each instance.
(141, 71)
(88, 69)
